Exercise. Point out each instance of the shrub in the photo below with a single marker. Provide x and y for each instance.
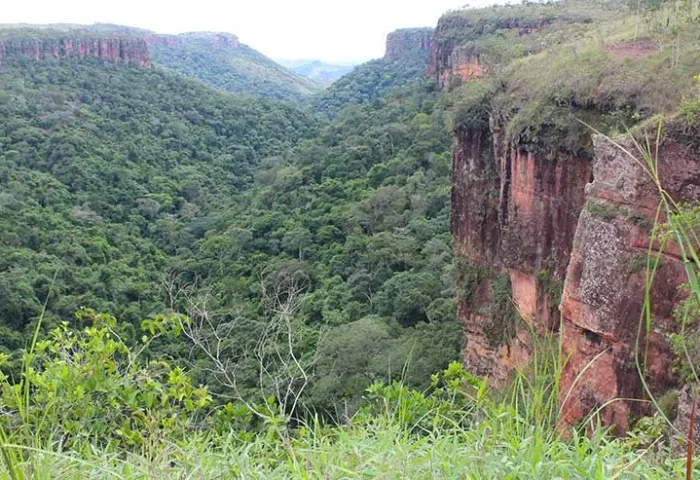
(88, 386)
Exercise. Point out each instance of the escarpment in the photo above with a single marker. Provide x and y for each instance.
(408, 43)
(514, 212)
(133, 51)
(108, 43)
(551, 223)
(456, 53)
(547, 239)
(604, 291)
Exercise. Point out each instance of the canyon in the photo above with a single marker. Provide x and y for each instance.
(550, 241)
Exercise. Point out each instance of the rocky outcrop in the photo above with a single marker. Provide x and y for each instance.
(409, 43)
(133, 51)
(455, 57)
(537, 228)
(514, 212)
(461, 65)
(605, 286)
(109, 44)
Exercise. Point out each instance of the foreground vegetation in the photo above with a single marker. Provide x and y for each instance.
(89, 406)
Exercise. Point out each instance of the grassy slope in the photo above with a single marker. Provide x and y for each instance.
(602, 62)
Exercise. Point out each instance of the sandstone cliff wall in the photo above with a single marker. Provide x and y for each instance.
(409, 43)
(132, 51)
(514, 215)
(566, 239)
(605, 285)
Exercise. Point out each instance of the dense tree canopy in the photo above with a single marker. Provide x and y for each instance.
(134, 191)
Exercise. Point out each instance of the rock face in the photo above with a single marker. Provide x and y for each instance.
(605, 285)
(115, 46)
(686, 398)
(551, 226)
(544, 227)
(454, 58)
(514, 213)
(133, 51)
(409, 43)
(460, 65)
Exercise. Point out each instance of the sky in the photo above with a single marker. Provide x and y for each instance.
(330, 30)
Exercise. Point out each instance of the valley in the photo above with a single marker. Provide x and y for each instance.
(482, 246)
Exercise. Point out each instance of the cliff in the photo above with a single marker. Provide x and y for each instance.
(409, 43)
(456, 52)
(514, 213)
(133, 51)
(551, 224)
(110, 43)
(605, 284)
(540, 229)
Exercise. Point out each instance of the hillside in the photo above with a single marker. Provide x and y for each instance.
(123, 167)
(404, 65)
(217, 59)
(221, 61)
(318, 71)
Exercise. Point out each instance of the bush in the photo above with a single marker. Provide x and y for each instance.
(89, 387)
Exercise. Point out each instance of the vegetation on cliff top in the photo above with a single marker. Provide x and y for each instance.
(611, 67)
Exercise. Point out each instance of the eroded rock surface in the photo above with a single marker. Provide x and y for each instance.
(605, 286)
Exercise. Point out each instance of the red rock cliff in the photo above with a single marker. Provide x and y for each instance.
(132, 51)
(514, 212)
(409, 43)
(527, 223)
(456, 59)
(605, 285)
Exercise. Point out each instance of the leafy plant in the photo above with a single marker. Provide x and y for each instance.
(88, 387)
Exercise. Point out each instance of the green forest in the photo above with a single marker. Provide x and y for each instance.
(137, 192)
(206, 275)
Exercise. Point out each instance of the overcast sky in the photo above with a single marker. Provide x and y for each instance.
(330, 30)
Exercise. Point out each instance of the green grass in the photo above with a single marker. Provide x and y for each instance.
(459, 428)
(499, 443)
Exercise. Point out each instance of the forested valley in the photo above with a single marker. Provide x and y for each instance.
(140, 193)
(475, 257)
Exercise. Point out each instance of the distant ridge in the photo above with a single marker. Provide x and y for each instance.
(216, 58)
